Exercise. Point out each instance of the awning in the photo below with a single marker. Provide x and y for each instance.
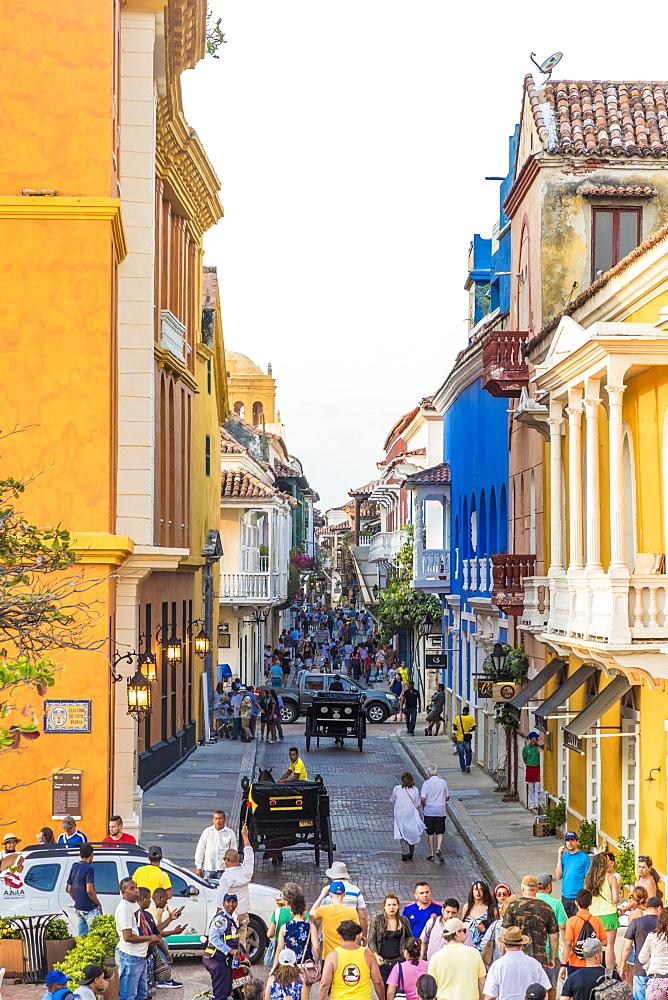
(516, 704)
(590, 715)
(562, 694)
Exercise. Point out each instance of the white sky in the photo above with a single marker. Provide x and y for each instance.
(352, 140)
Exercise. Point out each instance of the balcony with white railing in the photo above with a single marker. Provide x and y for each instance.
(536, 610)
(431, 570)
(385, 545)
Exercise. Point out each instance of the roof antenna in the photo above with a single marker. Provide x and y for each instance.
(547, 65)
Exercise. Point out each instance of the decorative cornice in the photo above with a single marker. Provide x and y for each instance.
(185, 33)
(175, 367)
(204, 352)
(465, 371)
(57, 208)
(521, 185)
(102, 549)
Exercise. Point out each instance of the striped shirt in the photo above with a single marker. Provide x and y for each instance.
(353, 896)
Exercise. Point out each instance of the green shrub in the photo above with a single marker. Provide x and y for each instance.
(625, 862)
(587, 835)
(93, 947)
(58, 930)
(556, 814)
(7, 932)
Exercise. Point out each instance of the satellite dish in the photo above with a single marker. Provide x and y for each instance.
(548, 64)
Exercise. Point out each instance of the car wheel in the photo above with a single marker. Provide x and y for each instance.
(256, 940)
(376, 712)
(289, 712)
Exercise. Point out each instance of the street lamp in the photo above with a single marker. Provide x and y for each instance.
(498, 658)
(425, 625)
(201, 640)
(173, 649)
(139, 687)
(147, 661)
(139, 696)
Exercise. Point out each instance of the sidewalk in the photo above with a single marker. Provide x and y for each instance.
(498, 834)
(179, 807)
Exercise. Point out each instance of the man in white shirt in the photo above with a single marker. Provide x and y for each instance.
(353, 895)
(435, 794)
(236, 878)
(132, 946)
(211, 847)
(512, 974)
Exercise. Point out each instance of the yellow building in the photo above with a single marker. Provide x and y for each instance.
(252, 393)
(103, 207)
(602, 609)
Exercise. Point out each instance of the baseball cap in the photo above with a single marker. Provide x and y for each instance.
(155, 852)
(56, 976)
(531, 882)
(533, 735)
(590, 947)
(453, 925)
(571, 835)
(68, 821)
(229, 895)
(535, 992)
(91, 972)
(544, 879)
(287, 957)
(337, 887)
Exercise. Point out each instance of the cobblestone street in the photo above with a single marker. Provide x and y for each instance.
(360, 785)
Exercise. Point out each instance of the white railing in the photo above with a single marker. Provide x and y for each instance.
(536, 603)
(245, 586)
(386, 544)
(648, 607)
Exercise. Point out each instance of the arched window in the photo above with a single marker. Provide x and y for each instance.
(466, 545)
(482, 526)
(240, 409)
(503, 520)
(630, 536)
(493, 541)
(258, 413)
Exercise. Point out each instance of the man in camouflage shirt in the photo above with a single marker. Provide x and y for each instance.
(535, 918)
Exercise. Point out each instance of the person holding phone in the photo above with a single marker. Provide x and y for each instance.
(572, 867)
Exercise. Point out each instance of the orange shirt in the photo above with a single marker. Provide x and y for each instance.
(573, 928)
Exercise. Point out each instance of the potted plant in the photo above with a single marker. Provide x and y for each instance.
(555, 813)
(625, 863)
(59, 941)
(11, 951)
(95, 947)
(587, 836)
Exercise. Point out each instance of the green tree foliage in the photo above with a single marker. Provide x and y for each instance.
(214, 35)
(399, 606)
(41, 608)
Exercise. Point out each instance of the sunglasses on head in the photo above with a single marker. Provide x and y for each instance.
(645, 858)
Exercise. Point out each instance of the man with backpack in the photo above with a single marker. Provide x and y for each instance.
(536, 919)
(590, 981)
(584, 926)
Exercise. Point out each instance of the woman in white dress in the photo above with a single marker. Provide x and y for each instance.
(408, 825)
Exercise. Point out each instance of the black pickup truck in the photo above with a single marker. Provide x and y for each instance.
(296, 699)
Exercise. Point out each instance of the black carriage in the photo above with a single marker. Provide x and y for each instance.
(340, 714)
(290, 815)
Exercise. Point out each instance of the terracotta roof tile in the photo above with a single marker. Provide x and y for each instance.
(437, 474)
(589, 191)
(364, 490)
(229, 444)
(237, 484)
(601, 117)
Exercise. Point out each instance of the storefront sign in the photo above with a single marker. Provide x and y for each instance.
(66, 794)
(505, 691)
(63, 716)
(436, 661)
(484, 688)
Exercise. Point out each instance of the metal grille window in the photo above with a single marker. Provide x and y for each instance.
(208, 376)
(615, 233)
(207, 455)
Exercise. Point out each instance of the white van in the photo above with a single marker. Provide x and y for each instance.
(40, 886)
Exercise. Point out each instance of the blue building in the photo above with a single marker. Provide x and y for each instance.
(475, 449)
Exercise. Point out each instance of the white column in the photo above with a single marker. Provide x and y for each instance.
(616, 459)
(556, 487)
(592, 403)
(574, 412)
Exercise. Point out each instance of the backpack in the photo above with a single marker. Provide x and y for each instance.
(64, 993)
(586, 933)
(608, 988)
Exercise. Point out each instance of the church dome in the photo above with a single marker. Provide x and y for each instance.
(239, 364)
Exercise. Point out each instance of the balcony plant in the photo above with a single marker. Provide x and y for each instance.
(515, 667)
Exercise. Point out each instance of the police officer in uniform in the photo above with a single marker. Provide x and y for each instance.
(222, 948)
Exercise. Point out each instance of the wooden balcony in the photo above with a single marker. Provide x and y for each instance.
(509, 570)
(505, 371)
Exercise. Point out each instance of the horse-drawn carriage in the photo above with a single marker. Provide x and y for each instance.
(291, 815)
(340, 714)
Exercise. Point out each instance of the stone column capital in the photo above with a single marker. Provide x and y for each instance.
(615, 394)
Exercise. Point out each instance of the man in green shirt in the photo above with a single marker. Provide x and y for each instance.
(531, 758)
(544, 893)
